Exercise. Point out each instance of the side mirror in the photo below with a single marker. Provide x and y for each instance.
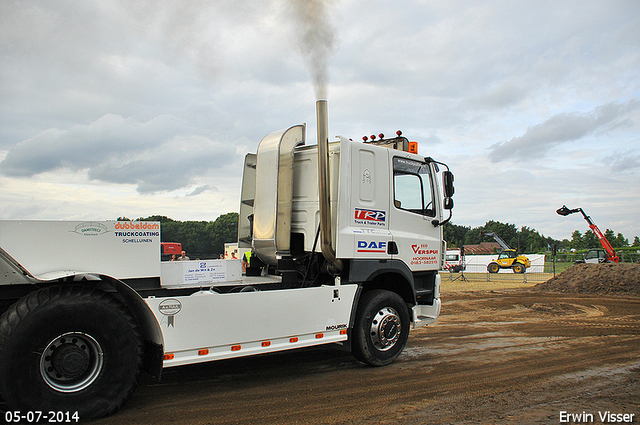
(448, 203)
(447, 181)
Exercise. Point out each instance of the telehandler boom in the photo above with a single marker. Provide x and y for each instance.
(612, 257)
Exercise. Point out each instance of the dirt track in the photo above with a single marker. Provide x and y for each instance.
(510, 356)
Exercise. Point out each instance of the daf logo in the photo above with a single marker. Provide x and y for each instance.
(371, 246)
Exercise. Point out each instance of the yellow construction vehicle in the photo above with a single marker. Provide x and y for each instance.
(508, 258)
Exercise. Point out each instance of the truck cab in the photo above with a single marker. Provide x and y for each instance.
(385, 216)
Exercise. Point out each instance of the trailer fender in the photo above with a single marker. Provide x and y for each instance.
(151, 332)
(144, 317)
(14, 274)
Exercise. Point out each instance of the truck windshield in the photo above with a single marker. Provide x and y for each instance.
(412, 187)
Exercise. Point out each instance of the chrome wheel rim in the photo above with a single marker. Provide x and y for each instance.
(71, 362)
(385, 328)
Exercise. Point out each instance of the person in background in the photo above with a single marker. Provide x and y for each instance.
(246, 260)
(183, 257)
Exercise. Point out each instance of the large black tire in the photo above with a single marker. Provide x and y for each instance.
(519, 268)
(68, 348)
(493, 268)
(381, 328)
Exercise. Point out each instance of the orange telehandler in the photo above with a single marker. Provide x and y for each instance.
(593, 255)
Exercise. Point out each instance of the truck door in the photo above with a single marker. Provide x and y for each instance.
(365, 225)
(413, 208)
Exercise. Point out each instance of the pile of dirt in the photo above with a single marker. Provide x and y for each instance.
(607, 278)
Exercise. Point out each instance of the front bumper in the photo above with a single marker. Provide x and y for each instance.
(426, 314)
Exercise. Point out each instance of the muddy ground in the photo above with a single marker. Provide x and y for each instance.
(495, 356)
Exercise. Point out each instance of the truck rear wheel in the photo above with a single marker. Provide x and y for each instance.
(68, 348)
(381, 328)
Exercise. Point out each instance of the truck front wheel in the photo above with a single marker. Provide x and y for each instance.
(68, 348)
(381, 328)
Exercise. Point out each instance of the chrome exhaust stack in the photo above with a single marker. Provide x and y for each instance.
(324, 200)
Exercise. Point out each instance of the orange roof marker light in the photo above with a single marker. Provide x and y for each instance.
(319, 336)
(169, 356)
(399, 142)
(203, 352)
(293, 339)
(236, 347)
(266, 343)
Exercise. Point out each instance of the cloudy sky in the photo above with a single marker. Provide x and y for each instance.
(133, 108)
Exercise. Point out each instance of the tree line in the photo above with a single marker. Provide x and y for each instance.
(200, 239)
(206, 239)
(528, 240)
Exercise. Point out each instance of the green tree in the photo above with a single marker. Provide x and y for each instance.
(473, 236)
(508, 232)
(455, 234)
(200, 239)
(636, 241)
(223, 230)
(532, 241)
(621, 241)
(526, 240)
(576, 240)
(590, 240)
(611, 237)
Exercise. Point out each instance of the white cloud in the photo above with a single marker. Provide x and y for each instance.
(152, 155)
(120, 108)
(564, 127)
(200, 189)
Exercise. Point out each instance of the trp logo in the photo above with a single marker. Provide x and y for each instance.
(374, 216)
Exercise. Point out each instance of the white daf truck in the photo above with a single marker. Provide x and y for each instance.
(349, 238)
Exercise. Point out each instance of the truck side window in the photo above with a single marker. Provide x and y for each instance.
(412, 187)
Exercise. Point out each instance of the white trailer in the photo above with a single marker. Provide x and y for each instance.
(348, 235)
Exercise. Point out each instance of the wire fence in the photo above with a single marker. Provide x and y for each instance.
(543, 267)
